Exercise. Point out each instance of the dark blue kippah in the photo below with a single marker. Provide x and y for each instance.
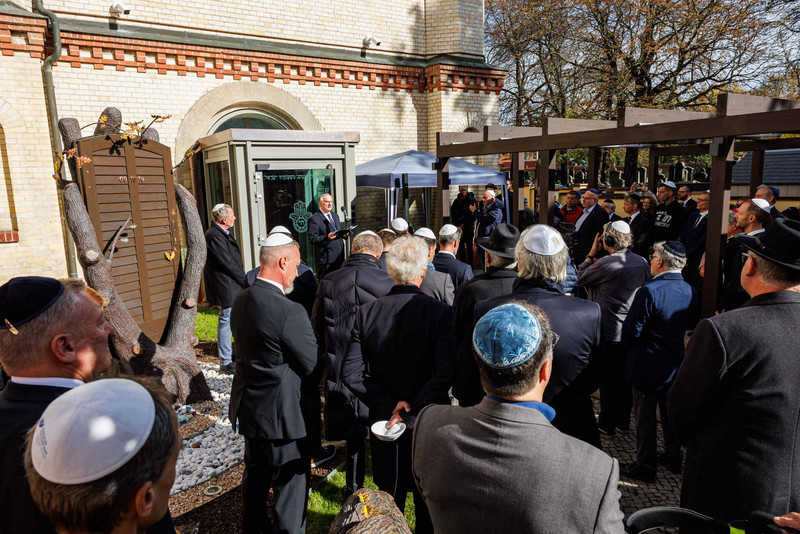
(26, 297)
(776, 191)
(675, 248)
(593, 190)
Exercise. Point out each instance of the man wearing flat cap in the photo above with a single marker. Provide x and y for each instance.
(276, 351)
(736, 399)
(497, 280)
(653, 334)
(542, 257)
(501, 466)
(445, 260)
(53, 338)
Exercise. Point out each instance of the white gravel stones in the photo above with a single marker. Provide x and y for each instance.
(215, 450)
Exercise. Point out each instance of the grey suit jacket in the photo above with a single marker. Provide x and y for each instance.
(439, 286)
(499, 467)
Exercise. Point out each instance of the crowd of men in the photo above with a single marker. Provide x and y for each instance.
(491, 375)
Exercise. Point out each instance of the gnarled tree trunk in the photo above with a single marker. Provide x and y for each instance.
(174, 360)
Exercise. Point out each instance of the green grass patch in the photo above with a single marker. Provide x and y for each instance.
(205, 324)
(326, 500)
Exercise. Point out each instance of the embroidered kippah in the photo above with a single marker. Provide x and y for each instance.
(675, 248)
(507, 336)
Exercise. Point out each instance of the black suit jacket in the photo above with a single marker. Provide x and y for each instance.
(690, 206)
(735, 404)
(693, 238)
(224, 271)
(275, 348)
(493, 283)
(401, 348)
(590, 227)
(330, 253)
(459, 271)
(577, 323)
(641, 228)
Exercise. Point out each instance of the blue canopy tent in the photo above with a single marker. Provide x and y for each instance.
(416, 167)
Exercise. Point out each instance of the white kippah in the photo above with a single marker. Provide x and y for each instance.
(277, 240)
(543, 240)
(386, 230)
(621, 227)
(447, 229)
(369, 232)
(761, 203)
(280, 230)
(670, 184)
(491, 192)
(92, 430)
(399, 224)
(218, 207)
(427, 233)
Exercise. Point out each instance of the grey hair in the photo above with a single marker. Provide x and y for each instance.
(367, 243)
(387, 235)
(774, 274)
(271, 255)
(621, 240)
(221, 211)
(408, 259)
(448, 239)
(610, 202)
(731, 217)
(770, 194)
(671, 261)
(531, 265)
(500, 262)
(31, 345)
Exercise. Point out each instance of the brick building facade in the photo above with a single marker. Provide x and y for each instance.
(304, 63)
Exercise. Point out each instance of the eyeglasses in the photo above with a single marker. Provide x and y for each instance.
(743, 256)
(654, 257)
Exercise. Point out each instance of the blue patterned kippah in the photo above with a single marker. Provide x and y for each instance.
(507, 336)
(675, 248)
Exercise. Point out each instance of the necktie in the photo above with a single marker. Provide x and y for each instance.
(330, 220)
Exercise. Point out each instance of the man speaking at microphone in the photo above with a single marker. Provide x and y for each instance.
(322, 233)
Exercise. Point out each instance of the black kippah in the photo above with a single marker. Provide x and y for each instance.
(26, 297)
(675, 248)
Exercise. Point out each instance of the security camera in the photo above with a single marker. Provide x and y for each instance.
(118, 9)
(371, 40)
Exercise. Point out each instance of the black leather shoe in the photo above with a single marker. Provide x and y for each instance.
(227, 369)
(323, 455)
(606, 430)
(638, 472)
(674, 464)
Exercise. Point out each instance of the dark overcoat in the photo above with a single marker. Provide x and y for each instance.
(224, 271)
(735, 405)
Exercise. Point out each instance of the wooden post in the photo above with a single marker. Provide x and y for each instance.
(443, 187)
(518, 181)
(721, 151)
(756, 171)
(652, 169)
(547, 186)
(593, 167)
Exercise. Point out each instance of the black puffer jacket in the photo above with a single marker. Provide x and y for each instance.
(360, 280)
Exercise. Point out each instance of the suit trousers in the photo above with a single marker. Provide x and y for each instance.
(616, 398)
(311, 405)
(465, 252)
(356, 462)
(263, 469)
(391, 469)
(224, 346)
(645, 403)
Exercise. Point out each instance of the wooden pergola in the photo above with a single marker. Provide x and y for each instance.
(742, 123)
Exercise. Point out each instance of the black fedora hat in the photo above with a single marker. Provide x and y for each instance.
(780, 243)
(501, 241)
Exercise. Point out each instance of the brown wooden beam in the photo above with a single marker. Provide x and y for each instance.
(721, 151)
(768, 122)
(518, 181)
(450, 138)
(547, 186)
(593, 168)
(756, 171)
(635, 116)
(683, 150)
(730, 104)
(493, 133)
(555, 126)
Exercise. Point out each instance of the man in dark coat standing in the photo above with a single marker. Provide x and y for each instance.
(685, 199)
(693, 239)
(445, 260)
(462, 217)
(53, 338)
(401, 359)
(322, 228)
(653, 333)
(542, 258)
(670, 214)
(736, 398)
(588, 225)
(360, 281)
(496, 281)
(225, 278)
(488, 217)
(276, 350)
(640, 224)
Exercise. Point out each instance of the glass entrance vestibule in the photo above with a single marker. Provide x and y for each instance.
(275, 178)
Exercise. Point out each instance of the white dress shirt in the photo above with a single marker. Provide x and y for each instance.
(56, 382)
(276, 284)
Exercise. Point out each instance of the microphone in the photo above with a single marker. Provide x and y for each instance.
(344, 211)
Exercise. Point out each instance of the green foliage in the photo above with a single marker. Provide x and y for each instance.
(205, 324)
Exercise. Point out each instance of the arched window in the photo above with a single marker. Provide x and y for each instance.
(251, 119)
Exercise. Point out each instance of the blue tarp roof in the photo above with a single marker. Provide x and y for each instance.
(387, 172)
(780, 167)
